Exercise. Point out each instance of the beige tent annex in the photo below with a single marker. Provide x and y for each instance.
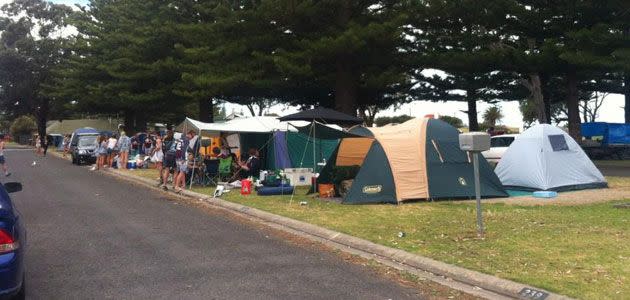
(419, 159)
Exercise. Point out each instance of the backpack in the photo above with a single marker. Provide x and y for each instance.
(169, 146)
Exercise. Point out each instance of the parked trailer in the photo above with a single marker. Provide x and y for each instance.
(606, 140)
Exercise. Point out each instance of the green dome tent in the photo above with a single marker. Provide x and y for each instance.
(419, 159)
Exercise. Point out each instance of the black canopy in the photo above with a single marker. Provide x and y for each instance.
(323, 115)
(324, 132)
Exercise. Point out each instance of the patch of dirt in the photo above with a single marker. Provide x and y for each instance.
(616, 191)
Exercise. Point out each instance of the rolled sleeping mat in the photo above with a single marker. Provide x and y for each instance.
(275, 190)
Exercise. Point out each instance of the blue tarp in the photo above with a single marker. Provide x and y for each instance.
(281, 151)
(611, 133)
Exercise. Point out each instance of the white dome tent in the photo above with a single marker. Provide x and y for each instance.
(546, 158)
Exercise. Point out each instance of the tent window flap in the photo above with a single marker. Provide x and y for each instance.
(558, 143)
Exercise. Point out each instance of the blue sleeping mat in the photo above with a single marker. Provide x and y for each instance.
(275, 190)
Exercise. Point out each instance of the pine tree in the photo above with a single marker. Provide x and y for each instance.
(460, 38)
(124, 61)
(346, 49)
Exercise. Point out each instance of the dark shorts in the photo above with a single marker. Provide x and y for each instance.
(2, 161)
(169, 161)
(110, 151)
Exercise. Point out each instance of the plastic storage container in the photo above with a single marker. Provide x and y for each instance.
(246, 187)
(299, 176)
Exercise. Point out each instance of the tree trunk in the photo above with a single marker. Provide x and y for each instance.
(626, 84)
(346, 83)
(346, 88)
(135, 121)
(41, 118)
(546, 98)
(573, 105)
(206, 110)
(537, 96)
(473, 123)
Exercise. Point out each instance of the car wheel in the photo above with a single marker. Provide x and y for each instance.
(21, 295)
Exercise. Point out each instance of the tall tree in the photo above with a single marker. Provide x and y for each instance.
(127, 51)
(460, 40)
(350, 48)
(31, 45)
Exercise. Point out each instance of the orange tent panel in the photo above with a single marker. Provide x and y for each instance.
(352, 151)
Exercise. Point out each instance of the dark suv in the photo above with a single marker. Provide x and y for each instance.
(84, 152)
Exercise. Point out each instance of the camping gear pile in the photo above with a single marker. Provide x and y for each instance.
(416, 160)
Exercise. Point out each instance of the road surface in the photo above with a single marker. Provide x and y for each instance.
(92, 236)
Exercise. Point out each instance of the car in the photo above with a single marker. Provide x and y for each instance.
(85, 150)
(498, 145)
(12, 245)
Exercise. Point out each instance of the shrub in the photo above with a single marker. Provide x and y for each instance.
(24, 125)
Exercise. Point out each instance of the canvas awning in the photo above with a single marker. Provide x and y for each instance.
(240, 125)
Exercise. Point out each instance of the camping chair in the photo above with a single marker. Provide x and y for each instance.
(225, 168)
(211, 173)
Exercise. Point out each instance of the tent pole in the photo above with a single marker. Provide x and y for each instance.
(314, 162)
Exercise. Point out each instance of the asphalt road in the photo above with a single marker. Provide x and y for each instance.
(92, 236)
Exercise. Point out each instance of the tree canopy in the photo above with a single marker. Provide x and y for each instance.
(159, 61)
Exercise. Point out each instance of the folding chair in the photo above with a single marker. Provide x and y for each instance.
(211, 172)
(225, 168)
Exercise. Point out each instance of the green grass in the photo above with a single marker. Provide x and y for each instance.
(581, 251)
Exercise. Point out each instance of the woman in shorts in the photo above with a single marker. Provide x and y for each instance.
(180, 177)
(157, 157)
(124, 146)
(111, 150)
(101, 153)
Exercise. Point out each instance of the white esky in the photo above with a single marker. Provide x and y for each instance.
(611, 110)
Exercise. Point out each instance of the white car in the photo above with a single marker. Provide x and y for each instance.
(498, 145)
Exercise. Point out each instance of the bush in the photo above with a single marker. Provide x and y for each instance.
(382, 121)
(24, 125)
(454, 121)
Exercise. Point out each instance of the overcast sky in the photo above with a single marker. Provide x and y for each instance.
(611, 111)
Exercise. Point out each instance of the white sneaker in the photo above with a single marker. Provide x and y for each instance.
(34, 164)
(93, 169)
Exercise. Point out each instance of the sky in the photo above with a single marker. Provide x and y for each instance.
(611, 111)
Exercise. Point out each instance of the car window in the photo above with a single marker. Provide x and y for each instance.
(501, 141)
(87, 141)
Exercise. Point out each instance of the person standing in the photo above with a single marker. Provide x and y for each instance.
(38, 145)
(66, 145)
(111, 147)
(169, 146)
(158, 156)
(2, 159)
(101, 153)
(47, 142)
(124, 145)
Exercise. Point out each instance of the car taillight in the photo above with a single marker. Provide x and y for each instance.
(7, 243)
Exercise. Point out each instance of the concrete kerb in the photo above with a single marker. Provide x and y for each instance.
(434, 270)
